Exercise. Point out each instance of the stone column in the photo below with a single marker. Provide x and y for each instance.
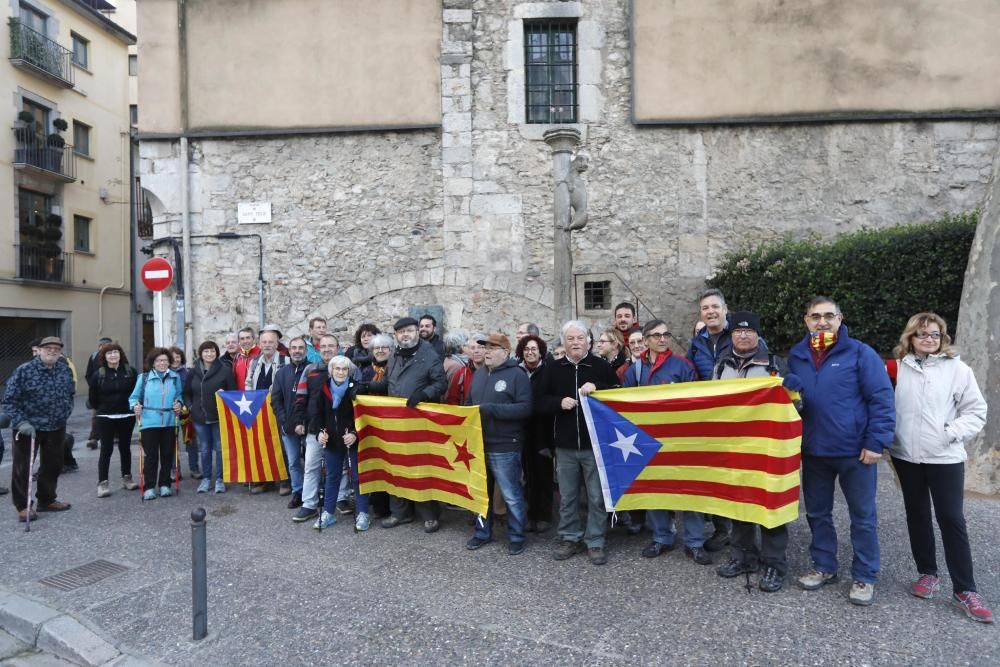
(978, 327)
(563, 141)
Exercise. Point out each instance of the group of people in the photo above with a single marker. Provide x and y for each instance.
(920, 407)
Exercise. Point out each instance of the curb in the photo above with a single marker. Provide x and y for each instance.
(53, 632)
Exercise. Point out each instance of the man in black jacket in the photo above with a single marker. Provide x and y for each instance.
(564, 381)
(503, 393)
(414, 372)
(286, 380)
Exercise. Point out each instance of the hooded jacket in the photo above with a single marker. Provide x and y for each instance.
(668, 369)
(703, 354)
(847, 403)
(200, 388)
(504, 399)
(561, 379)
(938, 409)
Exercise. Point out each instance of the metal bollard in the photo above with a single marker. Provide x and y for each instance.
(199, 575)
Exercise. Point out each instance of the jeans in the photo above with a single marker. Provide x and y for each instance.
(311, 472)
(209, 441)
(343, 491)
(944, 484)
(292, 443)
(857, 482)
(49, 454)
(158, 445)
(505, 468)
(571, 466)
(109, 430)
(335, 461)
(662, 523)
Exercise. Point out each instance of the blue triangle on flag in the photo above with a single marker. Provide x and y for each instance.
(625, 448)
(245, 405)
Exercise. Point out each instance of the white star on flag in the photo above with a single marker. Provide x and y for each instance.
(244, 403)
(625, 445)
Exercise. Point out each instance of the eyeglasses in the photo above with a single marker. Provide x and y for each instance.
(816, 317)
(660, 335)
(744, 332)
(381, 347)
(928, 334)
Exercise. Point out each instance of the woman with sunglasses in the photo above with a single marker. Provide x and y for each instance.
(938, 409)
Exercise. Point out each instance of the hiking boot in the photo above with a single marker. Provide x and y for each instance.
(925, 586)
(220, 486)
(362, 522)
(344, 507)
(814, 579)
(296, 501)
(325, 520)
(103, 489)
(515, 548)
(654, 549)
(285, 488)
(432, 526)
(22, 515)
(717, 542)
(128, 484)
(55, 506)
(568, 549)
(204, 486)
(597, 555)
(772, 581)
(972, 605)
(149, 494)
(862, 594)
(476, 543)
(735, 568)
(698, 555)
(393, 521)
(304, 514)
(165, 492)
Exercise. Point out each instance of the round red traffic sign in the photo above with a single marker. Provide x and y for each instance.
(157, 274)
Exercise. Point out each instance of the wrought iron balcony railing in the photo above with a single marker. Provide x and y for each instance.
(56, 161)
(32, 51)
(47, 263)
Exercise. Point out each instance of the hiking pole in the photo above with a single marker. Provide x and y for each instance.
(177, 455)
(350, 480)
(321, 488)
(142, 470)
(31, 465)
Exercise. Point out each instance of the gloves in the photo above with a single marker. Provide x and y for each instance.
(26, 429)
(412, 401)
(792, 382)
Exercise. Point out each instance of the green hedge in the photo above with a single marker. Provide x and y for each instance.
(879, 277)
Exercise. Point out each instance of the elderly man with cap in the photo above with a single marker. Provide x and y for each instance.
(39, 399)
(748, 357)
(414, 372)
(503, 393)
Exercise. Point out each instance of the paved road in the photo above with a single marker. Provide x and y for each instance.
(281, 592)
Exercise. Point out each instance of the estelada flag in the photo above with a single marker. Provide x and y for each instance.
(432, 452)
(251, 442)
(727, 447)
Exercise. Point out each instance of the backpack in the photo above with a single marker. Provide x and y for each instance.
(892, 368)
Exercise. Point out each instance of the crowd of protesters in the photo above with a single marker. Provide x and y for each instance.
(920, 407)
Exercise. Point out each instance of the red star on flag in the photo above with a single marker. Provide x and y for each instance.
(463, 455)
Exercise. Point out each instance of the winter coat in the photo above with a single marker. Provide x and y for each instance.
(157, 395)
(562, 379)
(539, 426)
(200, 389)
(241, 365)
(847, 403)
(938, 409)
(704, 354)
(39, 395)
(286, 379)
(763, 364)
(257, 368)
(668, 369)
(110, 389)
(421, 373)
(320, 413)
(504, 399)
(437, 343)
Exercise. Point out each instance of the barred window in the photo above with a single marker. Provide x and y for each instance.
(550, 71)
(597, 295)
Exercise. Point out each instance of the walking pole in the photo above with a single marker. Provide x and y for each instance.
(350, 480)
(322, 482)
(31, 465)
(177, 455)
(142, 471)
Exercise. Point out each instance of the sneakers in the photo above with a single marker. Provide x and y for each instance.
(103, 489)
(597, 555)
(220, 486)
(972, 605)
(717, 542)
(205, 485)
(22, 515)
(698, 555)
(304, 514)
(814, 579)
(343, 507)
(362, 522)
(393, 521)
(861, 593)
(568, 550)
(165, 492)
(128, 484)
(735, 568)
(296, 501)
(476, 543)
(54, 506)
(325, 521)
(515, 548)
(150, 494)
(925, 586)
(772, 581)
(432, 526)
(654, 549)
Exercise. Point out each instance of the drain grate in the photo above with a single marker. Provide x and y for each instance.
(85, 575)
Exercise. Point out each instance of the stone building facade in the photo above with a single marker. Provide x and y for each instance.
(366, 224)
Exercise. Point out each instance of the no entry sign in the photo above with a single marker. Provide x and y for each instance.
(157, 274)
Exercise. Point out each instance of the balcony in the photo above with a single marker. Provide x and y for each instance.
(44, 159)
(35, 53)
(45, 263)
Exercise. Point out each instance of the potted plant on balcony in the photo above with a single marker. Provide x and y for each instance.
(55, 143)
(24, 133)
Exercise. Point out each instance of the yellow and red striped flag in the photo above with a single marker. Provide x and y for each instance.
(728, 447)
(251, 441)
(433, 452)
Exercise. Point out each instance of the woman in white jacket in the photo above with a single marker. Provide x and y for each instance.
(938, 409)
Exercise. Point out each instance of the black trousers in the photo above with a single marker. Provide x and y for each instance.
(944, 484)
(538, 485)
(49, 452)
(158, 445)
(773, 545)
(108, 431)
(425, 511)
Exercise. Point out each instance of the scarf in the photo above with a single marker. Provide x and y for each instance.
(379, 370)
(338, 391)
(821, 341)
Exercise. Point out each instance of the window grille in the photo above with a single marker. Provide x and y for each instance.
(550, 72)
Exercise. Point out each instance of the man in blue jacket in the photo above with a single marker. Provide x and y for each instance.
(502, 390)
(848, 418)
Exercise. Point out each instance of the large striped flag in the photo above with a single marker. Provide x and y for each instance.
(727, 447)
(433, 452)
(251, 442)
